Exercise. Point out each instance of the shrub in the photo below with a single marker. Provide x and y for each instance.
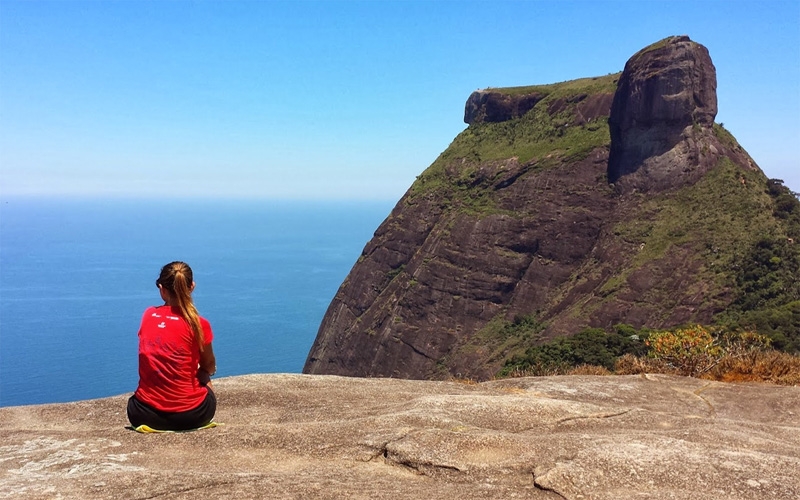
(766, 366)
(745, 346)
(533, 370)
(694, 351)
(589, 370)
(591, 346)
(629, 364)
(691, 351)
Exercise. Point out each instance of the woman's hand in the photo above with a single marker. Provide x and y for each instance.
(208, 361)
(204, 377)
(208, 366)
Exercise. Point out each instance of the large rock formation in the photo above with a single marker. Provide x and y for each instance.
(322, 437)
(587, 203)
(662, 115)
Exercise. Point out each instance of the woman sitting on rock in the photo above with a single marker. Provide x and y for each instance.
(176, 360)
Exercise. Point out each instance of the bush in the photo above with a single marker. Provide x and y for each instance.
(691, 351)
(765, 366)
(533, 370)
(629, 364)
(589, 370)
(591, 346)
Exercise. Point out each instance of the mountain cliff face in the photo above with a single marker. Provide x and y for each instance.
(592, 202)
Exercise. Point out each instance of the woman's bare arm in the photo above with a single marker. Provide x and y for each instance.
(208, 364)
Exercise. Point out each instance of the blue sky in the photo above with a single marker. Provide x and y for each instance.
(335, 100)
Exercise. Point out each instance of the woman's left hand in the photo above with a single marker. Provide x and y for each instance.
(204, 377)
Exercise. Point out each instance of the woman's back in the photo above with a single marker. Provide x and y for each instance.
(168, 360)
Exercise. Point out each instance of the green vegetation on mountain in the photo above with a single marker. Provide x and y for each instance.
(591, 346)
(768, 275)
(742, 225)
(540, 137)
(746, 235)
(745, 229)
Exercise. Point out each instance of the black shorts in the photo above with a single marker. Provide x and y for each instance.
(143, 414)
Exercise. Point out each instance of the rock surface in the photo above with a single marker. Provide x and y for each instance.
(328, 437)
(666, 101)
(487, 106)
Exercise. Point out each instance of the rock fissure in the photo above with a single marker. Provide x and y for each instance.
(412, 347)
(558, 486)
(424, 468)
(382, 450)
(211, 485)
(593, 416)
(402, 458)
(548, 489)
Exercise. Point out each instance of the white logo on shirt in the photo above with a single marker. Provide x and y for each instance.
(162, 325)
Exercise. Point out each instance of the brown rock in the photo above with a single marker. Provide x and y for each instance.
(325, 437)
(487, 106)
(666, 95)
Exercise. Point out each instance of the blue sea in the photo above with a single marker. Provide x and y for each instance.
(75, 277)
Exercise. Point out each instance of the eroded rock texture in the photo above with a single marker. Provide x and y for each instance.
(518, 219)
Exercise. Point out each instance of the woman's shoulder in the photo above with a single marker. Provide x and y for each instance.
(150, 311)
(155, 312)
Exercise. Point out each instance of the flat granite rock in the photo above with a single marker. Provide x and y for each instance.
(330, 437)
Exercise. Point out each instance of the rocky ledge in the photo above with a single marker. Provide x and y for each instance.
(329, 437)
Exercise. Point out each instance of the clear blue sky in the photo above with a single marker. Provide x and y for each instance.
(325, 100)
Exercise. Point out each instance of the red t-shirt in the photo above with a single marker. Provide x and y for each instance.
(168, 361)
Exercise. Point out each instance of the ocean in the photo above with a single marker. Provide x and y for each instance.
(76, 275)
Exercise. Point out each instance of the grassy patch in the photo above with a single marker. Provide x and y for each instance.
(538, 137)
(724, 136)
(503, 338)
(393, 273)
(654, 46)
(718, 218)
(592, 85)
